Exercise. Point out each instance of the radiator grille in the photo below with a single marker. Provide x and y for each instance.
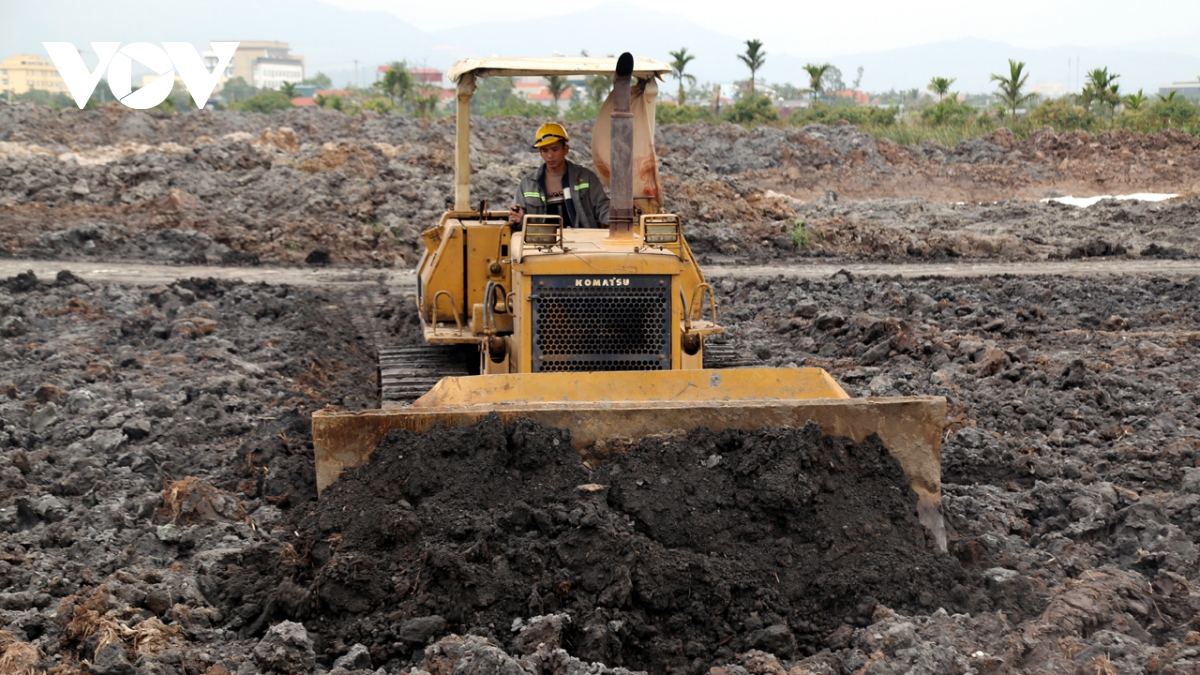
(601, 323)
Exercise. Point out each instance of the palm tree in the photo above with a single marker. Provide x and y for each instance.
(288, 89)
(1086, 97)
(1169, 98)
(1135, 101)
(1011, 86)
(1102, 87)
(680, 59)
(754, 58)
(556, 85)
(397, 83)
(940, 86)
(425, 103)
(597, 86)
(816, 77)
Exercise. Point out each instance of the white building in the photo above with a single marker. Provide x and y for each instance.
(210, 63)
(1051, 89)
(1187, 89)
(271, 73)
(261, 64)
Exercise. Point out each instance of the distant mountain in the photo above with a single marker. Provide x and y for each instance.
(1188, 45)
(331, 39)
(972, 61)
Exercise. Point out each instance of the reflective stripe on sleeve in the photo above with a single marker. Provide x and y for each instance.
(582, 186)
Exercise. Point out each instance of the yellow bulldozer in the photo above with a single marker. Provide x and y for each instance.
(603, 332)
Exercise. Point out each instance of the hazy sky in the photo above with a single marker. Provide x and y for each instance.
(832, 28)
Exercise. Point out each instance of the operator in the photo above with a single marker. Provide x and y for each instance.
(559, 187)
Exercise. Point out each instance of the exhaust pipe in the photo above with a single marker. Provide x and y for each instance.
(620, 211)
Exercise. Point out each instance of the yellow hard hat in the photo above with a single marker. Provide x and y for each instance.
(550, 133)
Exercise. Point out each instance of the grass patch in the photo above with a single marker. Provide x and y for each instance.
(948, 135)
(801, 236)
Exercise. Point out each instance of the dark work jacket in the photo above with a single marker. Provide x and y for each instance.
(587, 202)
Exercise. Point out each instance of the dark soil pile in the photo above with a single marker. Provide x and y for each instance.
(142, 429)
(673, 556)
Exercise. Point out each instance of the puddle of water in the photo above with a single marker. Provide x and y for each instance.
(1088, 201)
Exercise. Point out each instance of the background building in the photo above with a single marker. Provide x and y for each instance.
(210, 63)
(1050, 89)
(270, 73)
(23, 72)
(427, 76)
(264, 64)
(1188, 89)
(422, 77)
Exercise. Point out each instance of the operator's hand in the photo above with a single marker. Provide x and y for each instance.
(515, 213)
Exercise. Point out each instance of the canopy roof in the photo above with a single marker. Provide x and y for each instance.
(508, 66)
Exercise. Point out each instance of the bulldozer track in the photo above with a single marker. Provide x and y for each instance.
(406, 373)
(724, 355)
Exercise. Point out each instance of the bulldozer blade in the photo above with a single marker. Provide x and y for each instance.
(599, 408)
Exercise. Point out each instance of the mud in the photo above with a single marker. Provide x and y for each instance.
(245, 188)
(114, 401)
(676, 554)
(158, 513)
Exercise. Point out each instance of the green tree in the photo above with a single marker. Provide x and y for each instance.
(1062, 115)
(263, 102)
(397, 84)
(1136, 101)
(679, 61)
(816, 78)
(860, 116)
(181, 98)
(682, 114)
(940, 86)
(492, 94)
(332, 102)
(320, 81)
(596, 86)
(1174, 111)
(556, 85)
(751, 111)
(754, 58)
(237, 89)
(1011, 87)
(948, 111)
(55, 100)
(833, 79)
(581, 110)
(1101, 88)
(380, 104)
(857, 79)
(425, 103)
(288, 89)
(787, 91)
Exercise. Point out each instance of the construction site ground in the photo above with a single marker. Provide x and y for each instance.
(179, 294)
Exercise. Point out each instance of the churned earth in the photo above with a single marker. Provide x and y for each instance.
(159, 515)
(159, 512)
(314, 185)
